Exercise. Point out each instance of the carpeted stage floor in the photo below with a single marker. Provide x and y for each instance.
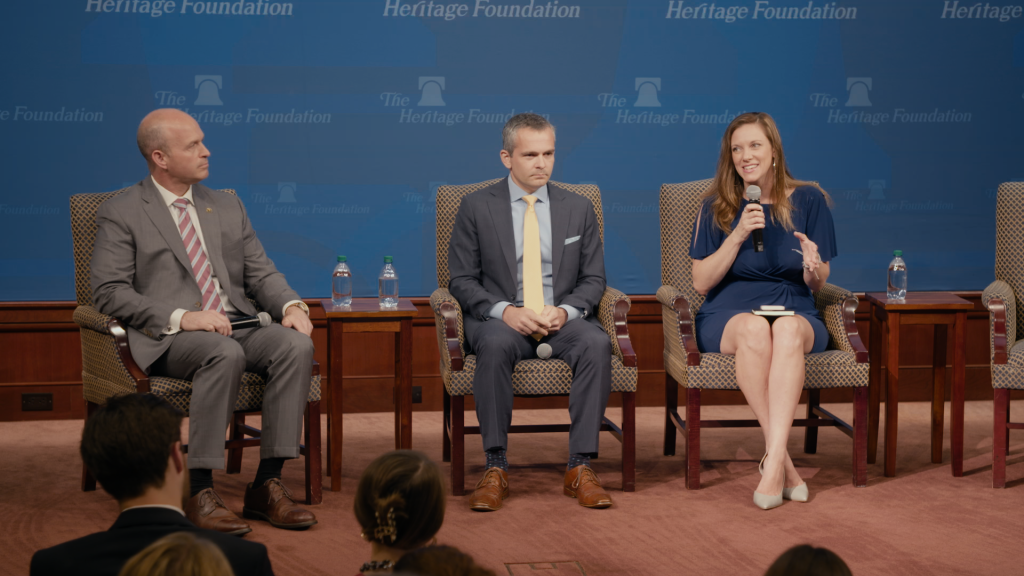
(924, 521)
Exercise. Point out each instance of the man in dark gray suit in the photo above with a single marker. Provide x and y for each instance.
(174, 260)
(527, 266)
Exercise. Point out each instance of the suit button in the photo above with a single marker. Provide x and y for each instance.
(199, 304)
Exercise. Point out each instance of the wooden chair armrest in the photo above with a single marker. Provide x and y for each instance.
(448, 321)
(850, 327)
(117, 330)
(1001, 302)
(316, 369)
(673, 300)
(612, 312)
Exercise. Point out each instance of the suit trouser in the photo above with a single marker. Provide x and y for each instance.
(584, 346)
(215, 363)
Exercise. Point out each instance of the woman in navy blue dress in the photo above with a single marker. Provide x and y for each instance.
(799, 243)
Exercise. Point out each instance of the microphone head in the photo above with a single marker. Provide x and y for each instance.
(265, 319)
(754, 193)
(544, 351)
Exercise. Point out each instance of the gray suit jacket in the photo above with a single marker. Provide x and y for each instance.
(141, 273)
(482, 252)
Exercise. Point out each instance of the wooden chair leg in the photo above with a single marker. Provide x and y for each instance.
(446, 441)
(88, 480)
(693, 438)
(629, 441)
(811, 432)
(671, 405)
(237, 432)
(458, 414)
(1000, 435)
(860, 436)
(314, 469)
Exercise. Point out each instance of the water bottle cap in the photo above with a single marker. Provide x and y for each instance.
(897, 252)
(387, 260)
(342, 259)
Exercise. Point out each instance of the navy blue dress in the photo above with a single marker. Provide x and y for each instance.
(775, 276)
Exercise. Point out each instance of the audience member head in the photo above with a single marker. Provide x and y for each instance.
(400, 500)
(440, 561)
(178, 554)
(806, 560)
(132, 445)
(171, 141)
(528, 150)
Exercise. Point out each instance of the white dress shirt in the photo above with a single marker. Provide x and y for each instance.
(174, 323)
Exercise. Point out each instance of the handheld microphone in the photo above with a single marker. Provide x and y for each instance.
(754, 196)
(258, 321)
(544, 351)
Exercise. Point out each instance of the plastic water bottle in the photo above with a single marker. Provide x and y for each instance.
(387, 286)
(897, 289)
(341, 284)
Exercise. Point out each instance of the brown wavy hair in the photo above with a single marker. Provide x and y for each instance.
(727, 188)
(400, 500)
(179, 554)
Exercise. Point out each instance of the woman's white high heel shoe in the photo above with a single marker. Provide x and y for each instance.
(764, 501)
(797, 494)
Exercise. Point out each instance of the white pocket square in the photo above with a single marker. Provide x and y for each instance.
(571, 240)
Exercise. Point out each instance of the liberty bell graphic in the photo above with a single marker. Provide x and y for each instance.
(209, 90)
(431, 87)
(647, 93)
(876, 188)
(858, 89)
(286, 192)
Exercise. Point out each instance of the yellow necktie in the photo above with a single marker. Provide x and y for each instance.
(533, 284)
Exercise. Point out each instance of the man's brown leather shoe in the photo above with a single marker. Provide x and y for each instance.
(582, 484)
(490, 491)
(273, 502)
(207, 510)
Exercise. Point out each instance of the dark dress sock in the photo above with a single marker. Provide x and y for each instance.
(496, 458)
(269, 468)
(579, 459)
(199, 479)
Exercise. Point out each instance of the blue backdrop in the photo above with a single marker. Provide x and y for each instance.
(336, 120)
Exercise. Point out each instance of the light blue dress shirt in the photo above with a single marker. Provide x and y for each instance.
(543, 209)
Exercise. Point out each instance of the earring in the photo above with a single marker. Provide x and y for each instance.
(773, 163)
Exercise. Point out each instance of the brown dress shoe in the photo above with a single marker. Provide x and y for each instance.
(490, 491)
(582, 484)
(207, 510)
(273, 502)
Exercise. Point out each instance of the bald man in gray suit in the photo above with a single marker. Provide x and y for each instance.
(175, 260)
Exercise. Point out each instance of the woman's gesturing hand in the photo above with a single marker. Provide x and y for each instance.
(751, 219)
(810, 252)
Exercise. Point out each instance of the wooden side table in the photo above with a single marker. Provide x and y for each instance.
(939, 309)
(365, 315)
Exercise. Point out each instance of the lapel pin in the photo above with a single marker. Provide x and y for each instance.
(209, 209)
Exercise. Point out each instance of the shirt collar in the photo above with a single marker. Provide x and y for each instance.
(168, 196)
(515, 192)
(175, 508)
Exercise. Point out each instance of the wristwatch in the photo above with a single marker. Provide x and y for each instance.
(301, 305)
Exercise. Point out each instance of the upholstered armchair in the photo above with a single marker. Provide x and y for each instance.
(108, 368)
(1006, 342)
(531, 377)
(844, 364)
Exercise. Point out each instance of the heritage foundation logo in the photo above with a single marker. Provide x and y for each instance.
(431, 96)
(286, 192)
(209, 89)
(858, 90)
(647, 96)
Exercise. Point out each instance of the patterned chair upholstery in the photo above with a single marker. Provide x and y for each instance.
(108, 368)
(843, 364)
(531, 377)
(1006, 341)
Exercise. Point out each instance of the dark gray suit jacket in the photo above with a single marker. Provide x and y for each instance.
(482, 253)
(141, 273)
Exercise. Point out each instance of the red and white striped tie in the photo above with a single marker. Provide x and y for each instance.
(201, 267)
